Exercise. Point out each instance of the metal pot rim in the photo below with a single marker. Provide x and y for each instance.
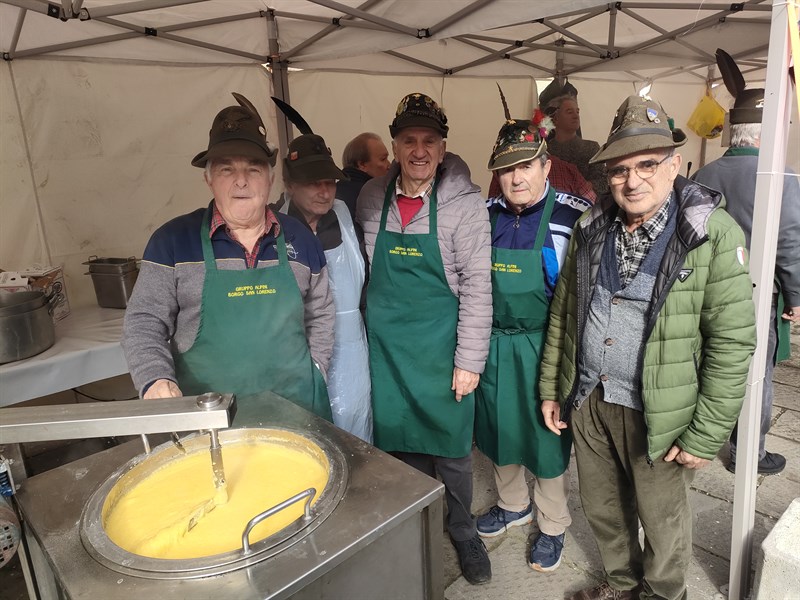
(106, 552)
(15, 303)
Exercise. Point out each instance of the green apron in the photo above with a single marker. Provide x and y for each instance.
(509, 427)
(251, 338)
(784, 349)
(412, 317)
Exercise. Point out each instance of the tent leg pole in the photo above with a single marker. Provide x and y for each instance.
(280, 82)
(764, 241)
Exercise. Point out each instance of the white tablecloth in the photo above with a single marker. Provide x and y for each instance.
(87, 349)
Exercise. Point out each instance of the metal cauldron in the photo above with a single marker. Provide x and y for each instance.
(26, 325)
(106, 552)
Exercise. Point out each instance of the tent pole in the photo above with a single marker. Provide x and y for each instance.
(764, 241)
(280, 82)
(559, 74)
(704, 141)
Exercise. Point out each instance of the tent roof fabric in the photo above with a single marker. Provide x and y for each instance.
(629, 41)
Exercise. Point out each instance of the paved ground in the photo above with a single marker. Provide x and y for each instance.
(712, 499)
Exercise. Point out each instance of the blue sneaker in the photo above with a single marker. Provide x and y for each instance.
(546, 552)
(498, 520)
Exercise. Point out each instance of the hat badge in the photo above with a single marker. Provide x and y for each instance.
(652, 115)
(228, 125)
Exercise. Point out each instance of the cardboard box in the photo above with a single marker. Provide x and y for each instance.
(11, 281)
(48, 279)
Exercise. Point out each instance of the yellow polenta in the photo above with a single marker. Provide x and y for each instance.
(151, 518)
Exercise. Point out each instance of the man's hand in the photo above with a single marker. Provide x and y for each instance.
(464, 382)
(551, 411)
(163, 388)
(683, 458)
(791, 313)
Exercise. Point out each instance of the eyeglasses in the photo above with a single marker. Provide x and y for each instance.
(644, 170)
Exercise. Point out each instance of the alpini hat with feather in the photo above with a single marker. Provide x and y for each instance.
(518, 140)
(640, 124)
(238, 131)
(309, 158)
(748, 105)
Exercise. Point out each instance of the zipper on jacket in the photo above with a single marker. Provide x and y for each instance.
(516, 222)
(418, 215)
(581, 269)
(651, 322)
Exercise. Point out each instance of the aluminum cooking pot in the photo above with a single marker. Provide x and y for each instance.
(26, 325)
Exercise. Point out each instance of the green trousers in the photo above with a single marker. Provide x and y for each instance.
(619, 488)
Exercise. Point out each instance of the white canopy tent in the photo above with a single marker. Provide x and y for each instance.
(104, 102)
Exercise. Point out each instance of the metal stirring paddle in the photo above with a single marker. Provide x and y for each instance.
(221, 487)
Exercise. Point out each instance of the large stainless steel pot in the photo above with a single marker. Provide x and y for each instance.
(383, 540)
(105, 551)
(26, 325)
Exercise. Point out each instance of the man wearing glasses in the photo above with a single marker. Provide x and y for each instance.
(651, 332)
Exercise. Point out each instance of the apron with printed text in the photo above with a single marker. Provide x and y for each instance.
(251, 338)
(412, 316)
(509, 427)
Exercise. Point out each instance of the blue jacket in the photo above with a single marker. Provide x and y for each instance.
(518, 232)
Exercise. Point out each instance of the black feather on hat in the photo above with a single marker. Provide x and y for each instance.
(309, 158)
(518, 141)
(748, 105)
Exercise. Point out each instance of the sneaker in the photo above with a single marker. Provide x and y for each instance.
(605, 592)
(769, 465)
(546, 552)
(498, 520)
(474, 560)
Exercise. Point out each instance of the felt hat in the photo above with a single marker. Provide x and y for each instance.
(640, 124)
(555, 90)
(418, 110)
(748, 107)
(238, 131)
(309, 159)
(518, 141)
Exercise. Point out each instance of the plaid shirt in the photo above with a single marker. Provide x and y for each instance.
(632, 247)
(270, 222)
(566, 177)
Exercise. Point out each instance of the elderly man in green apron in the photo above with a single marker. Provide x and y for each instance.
(310, 176)
(531, 227)
(232, 297)
(429, 311)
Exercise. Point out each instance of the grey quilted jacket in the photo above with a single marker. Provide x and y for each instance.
(464, 241)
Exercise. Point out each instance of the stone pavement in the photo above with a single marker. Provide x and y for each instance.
(712, 499)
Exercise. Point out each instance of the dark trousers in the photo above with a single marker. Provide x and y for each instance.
(456, 474)
(767, 392)
(619, 488)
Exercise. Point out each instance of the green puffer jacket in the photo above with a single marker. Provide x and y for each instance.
(700, 332)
